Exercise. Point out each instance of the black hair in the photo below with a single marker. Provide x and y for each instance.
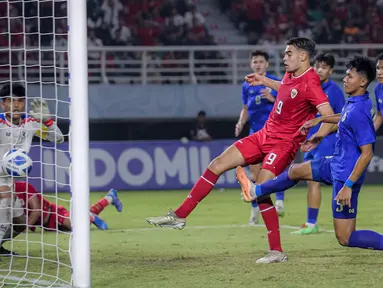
(256, 53)
(14, 89)
(303, 43)
(326, 58)
(380, 57)
(201, 113)
(362, 65)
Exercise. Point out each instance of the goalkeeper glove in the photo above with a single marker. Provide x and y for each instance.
(40, 111)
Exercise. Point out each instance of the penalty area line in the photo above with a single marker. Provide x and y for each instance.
(213, 227)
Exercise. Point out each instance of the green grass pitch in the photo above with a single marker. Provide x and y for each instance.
(216, 249)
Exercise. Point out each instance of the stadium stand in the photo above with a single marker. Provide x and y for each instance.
(355, 21)
(179, 22)
(157, 23)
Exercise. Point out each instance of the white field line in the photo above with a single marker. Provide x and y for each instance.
(213, 227)
(34, 282)
(45, 283)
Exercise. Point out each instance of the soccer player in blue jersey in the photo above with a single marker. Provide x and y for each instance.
(346, 169)
(378, 121)
(324, 64)
(258, 101)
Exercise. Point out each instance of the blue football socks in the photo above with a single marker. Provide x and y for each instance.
(312, 215)
(366, 239)
(280, 196)
(280, 183)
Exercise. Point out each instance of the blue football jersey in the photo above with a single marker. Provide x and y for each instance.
(336, 98)
(258, 108)
(379, 97)
(355, 129)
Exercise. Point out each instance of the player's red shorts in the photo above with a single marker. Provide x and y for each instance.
(57, 216)
(276, 154)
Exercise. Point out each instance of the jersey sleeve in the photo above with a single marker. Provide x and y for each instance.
(244, 93)
(363, 128)
(379, 100)
(314, 92)
(22, 186)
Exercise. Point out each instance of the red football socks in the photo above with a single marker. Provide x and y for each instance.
(99, 206)
(200, 190)
(270, 217)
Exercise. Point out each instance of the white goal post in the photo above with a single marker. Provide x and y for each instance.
(43, 47)
(79, 142)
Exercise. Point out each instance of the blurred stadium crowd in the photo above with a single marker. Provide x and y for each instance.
(123, 23)
(325, 21)
(179, 22)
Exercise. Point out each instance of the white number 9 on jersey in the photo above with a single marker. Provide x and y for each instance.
(279, 107)
(271, 158)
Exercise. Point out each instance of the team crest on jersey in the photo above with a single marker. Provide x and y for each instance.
(251, 91)
(294, 93)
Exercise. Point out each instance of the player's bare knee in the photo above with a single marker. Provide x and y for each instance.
(314, 187)
(342, 239)
(294, 171)
(300, 171)
(217, 166)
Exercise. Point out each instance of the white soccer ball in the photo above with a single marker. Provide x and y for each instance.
(17, 163)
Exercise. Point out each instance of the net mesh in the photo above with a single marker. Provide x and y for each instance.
(33, 51)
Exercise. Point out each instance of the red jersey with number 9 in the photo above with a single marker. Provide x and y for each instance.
(297, 102)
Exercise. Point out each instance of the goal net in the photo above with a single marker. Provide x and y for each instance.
(34, 46)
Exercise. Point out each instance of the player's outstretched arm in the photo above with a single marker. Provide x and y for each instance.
(329, 120)
(378, 120)
(243, 116)
(333, 119)
(254, 79)
(273, 84)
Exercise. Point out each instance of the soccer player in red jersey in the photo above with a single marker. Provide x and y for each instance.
(299, 98)
(52, 217)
